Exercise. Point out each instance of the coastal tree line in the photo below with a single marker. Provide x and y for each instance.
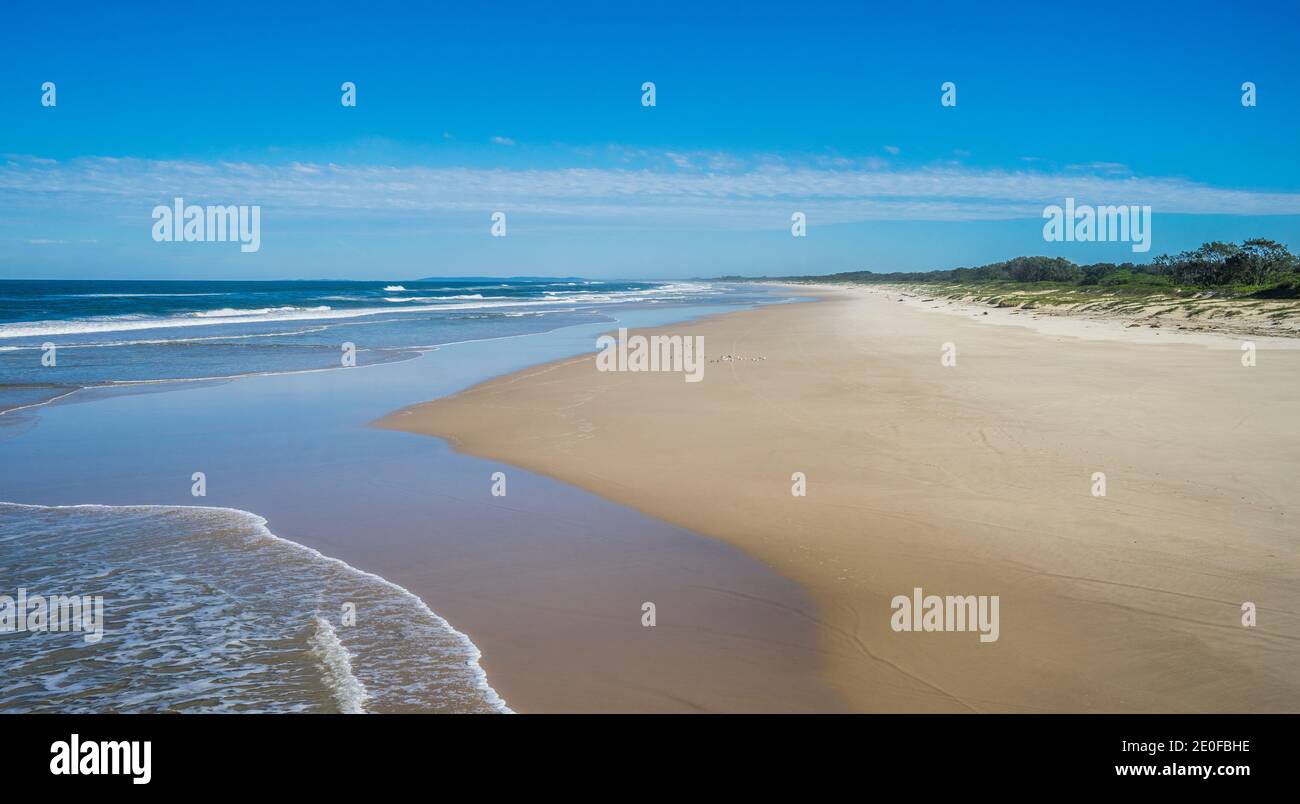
(1257, 265)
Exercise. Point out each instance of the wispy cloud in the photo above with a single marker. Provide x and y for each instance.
(1109, 168)
(697, 191)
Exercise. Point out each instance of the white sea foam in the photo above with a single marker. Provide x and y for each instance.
(403, 299)
(393, 288)
(288, 333)
(231, 312)
(219, 578)
(31, 329)
(336, 668)
(28, 329)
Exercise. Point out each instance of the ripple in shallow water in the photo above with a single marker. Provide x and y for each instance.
(207, 611)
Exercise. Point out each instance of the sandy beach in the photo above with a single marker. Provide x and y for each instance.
(977, 478)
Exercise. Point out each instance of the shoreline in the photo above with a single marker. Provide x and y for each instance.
(970, 482)
(260, 525)
(543, 583)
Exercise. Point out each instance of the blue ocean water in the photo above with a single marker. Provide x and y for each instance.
(208, 607)
(114, 332)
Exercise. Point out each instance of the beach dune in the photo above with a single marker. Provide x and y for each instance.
(976, 478)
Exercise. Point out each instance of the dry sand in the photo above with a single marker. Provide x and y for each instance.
(974, 479)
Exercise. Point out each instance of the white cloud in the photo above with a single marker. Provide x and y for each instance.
(1102, 167)
(502, 141)
(708, 191)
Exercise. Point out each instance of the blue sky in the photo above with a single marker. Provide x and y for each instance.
(762, 110)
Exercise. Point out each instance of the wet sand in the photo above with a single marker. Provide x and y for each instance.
(549, 583)
(973, 479)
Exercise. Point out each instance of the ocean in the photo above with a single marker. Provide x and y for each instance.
(114, 333)
(207, 609)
